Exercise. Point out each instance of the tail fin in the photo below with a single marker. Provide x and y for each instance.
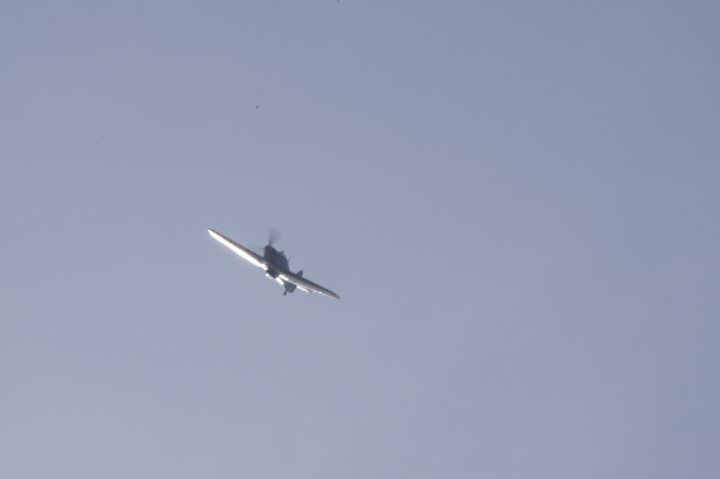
(299, 273)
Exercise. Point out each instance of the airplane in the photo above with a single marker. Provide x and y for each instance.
(275, 264)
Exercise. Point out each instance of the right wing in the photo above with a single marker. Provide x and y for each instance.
(307, 285)
(245, 253)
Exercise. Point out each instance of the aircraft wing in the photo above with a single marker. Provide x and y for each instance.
(245, 253)
(307, 285)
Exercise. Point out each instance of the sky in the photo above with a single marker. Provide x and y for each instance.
(516, 201)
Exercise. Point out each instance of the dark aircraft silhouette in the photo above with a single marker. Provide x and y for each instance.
(275, 264)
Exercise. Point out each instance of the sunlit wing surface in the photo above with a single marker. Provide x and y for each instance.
(245, 253)
(307, 285)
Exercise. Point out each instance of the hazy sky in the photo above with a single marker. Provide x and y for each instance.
(517, 201)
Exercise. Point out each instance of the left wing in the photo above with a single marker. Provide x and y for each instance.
(245, 253)
(307, 285)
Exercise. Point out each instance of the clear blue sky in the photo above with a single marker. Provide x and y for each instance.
(517, 201)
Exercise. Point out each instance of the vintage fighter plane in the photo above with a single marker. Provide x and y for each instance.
(275, 264)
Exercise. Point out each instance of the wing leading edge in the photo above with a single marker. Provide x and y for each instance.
(245, 253)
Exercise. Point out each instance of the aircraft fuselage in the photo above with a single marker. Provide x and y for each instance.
(277, 263)
(276, 260)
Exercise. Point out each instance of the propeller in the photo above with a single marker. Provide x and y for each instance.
(273, 236)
